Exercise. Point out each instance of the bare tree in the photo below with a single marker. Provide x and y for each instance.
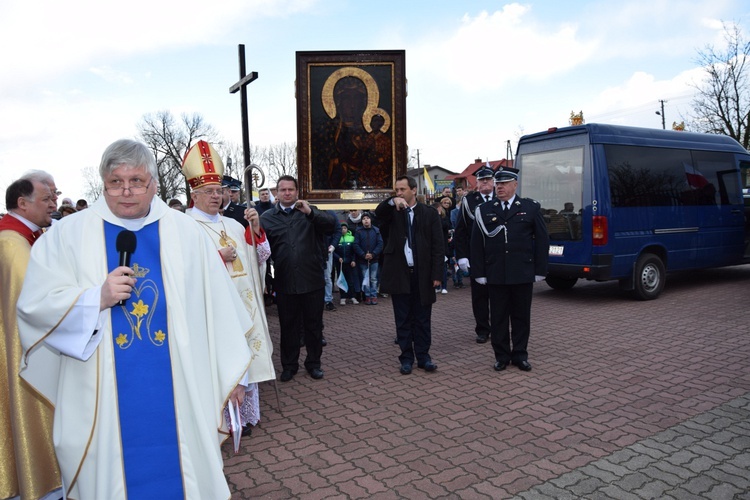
(722, 103)
(92, 183)
(170, 140)
(280, 159)
(234, 161)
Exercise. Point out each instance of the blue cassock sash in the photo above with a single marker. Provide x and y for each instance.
(143, 371)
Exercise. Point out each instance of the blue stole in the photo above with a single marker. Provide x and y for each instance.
(143, 373)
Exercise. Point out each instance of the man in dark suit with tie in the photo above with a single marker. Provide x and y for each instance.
(298, 234)
(413, 261)
(509, 252)
(480, 299)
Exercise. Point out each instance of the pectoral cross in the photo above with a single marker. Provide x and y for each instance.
(241, 85)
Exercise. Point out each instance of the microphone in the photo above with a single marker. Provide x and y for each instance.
(125, 245)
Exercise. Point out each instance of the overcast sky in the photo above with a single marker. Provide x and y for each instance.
(79, 74)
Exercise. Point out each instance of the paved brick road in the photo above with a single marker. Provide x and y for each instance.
(626, 400)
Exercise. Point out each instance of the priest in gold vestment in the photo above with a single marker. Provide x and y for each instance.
(28, 467)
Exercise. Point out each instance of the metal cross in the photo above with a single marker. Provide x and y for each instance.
(241, 85)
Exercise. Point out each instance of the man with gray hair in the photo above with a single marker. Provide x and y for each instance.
(138, 358)
(46, 178)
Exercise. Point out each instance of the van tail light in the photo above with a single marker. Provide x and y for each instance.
(599, 230)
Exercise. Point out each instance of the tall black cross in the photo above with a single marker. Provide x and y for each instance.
(241, 85)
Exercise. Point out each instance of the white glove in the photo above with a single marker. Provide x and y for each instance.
(463, 264)
(330, 248)
(481, 281)
(538, 278)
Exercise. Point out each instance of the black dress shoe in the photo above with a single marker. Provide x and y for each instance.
(429, 366)
(286, 376)
(500, 366)
(247, 430)
(523, 365)
(482, 339)
(405, 369)
(316, 373)
(324, 342)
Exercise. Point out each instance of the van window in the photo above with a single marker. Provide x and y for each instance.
(555, 180)
(717, 179)
(643, 177)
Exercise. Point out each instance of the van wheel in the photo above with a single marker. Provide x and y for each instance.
(649, 277)
(559, 283)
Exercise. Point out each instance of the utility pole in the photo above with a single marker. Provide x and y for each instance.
(419, 175)
(663, 122)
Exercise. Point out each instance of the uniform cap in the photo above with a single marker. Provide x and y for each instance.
(506, 174)
(485, 173)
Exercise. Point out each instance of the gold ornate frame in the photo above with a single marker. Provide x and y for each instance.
(351, 126)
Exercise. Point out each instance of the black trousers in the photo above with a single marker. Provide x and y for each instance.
(480, 306)
(510, 302)
(413, 324)
(305, 311)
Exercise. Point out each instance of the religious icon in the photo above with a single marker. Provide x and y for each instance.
(351, 124)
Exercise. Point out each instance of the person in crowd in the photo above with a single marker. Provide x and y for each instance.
(67, 201)
(368, 245)
(412, 268)
(264, 201)
(81, 205)
(447, 194)
(176, 204)
(509, 252)
(66, 210)
(148, 352)
(229, 208)
(480, 300)
(235, 193)
(346, 261)
(455, 213)
(297, 233)
(443, 208)
(329, 271)
(244, 252)
(29, 467)
(353, 219)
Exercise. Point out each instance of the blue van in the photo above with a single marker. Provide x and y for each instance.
(630, 204)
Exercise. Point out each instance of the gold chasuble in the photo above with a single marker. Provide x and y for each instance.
(208, 353)
(28, 467)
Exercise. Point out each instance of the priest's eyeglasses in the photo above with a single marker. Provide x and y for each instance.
(116, 187)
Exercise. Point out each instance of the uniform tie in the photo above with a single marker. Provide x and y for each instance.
(505, 208)
(288, 210)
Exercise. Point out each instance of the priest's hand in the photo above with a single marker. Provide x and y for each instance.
(228, 253)
(118, 286)
(251, 215)
(238, 395)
